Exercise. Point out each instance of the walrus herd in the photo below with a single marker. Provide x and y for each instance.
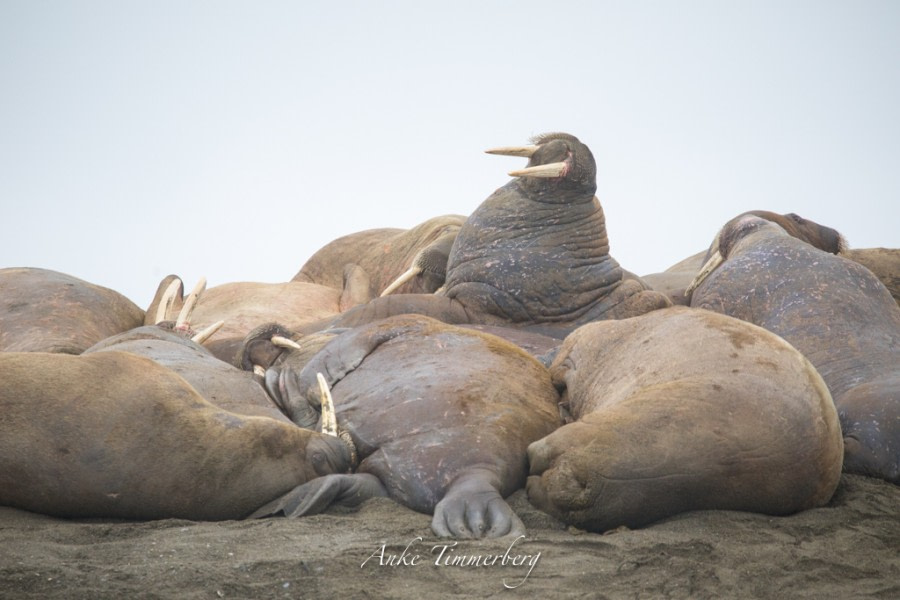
(451, 364)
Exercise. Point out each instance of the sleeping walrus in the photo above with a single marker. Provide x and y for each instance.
(684, 409)
(832, 309)
(441, 416)
(114, 434)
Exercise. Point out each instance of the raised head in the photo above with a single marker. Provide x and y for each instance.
(557, 162)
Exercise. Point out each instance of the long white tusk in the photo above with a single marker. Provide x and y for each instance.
(166, 301)
(329, 420)
(714, 261)
(557, 169)
(283, 342)
(409, 274)
(525, 151)
(189, 303)
(207, 333)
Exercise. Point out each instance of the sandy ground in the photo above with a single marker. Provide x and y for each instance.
(848, 549)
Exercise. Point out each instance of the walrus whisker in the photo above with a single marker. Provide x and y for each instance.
(207, 333)
(189, 304)
(348, 441)
(165, 303)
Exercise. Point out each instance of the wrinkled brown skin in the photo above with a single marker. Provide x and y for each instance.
(116, 435)
(681, 410)
(441, 416)
(832, 309)
(533, 255)
(383, 254)
(243, 306)
(884, 264)
(47, 311)
(219, 383)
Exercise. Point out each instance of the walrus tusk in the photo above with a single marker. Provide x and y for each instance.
(525, 151)
(166, 301)
(714, 261)
(409, 274)
(259, 370)
(189, 303)
(329, 421)
(207, 333)
(550, 170)
(283, 342)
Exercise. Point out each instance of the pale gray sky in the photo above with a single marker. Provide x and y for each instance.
(233, 139)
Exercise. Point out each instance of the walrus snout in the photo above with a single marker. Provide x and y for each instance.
(283, 388)
(328, 454)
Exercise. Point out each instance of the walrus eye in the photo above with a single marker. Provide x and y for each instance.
(797, 218)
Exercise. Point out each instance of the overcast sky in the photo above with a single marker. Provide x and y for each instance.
(233, 139)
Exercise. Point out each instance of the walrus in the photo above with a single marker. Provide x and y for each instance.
(220, 383)
(534, 255)
(684, 409)
(243, 306)
(675, 280)
(884, 264)
(47, 311)
(832, 309)
(116, 435)
(441, 417)
(403, 260)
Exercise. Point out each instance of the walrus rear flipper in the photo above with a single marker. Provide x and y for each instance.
(317, 495)
(473, 508)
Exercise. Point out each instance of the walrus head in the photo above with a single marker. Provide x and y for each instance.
(743, 225)
(430, 261)
(725, 241)
(557, 162)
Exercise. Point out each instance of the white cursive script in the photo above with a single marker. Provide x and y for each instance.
(449, 554)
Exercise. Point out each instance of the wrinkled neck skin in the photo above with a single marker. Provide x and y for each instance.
(524, 259)
(829, 308)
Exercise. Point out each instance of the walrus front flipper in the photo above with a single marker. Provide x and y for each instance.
(473, 508)
(315, 496)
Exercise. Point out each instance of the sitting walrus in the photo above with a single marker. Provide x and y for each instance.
(684, 409)
(534, 255)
